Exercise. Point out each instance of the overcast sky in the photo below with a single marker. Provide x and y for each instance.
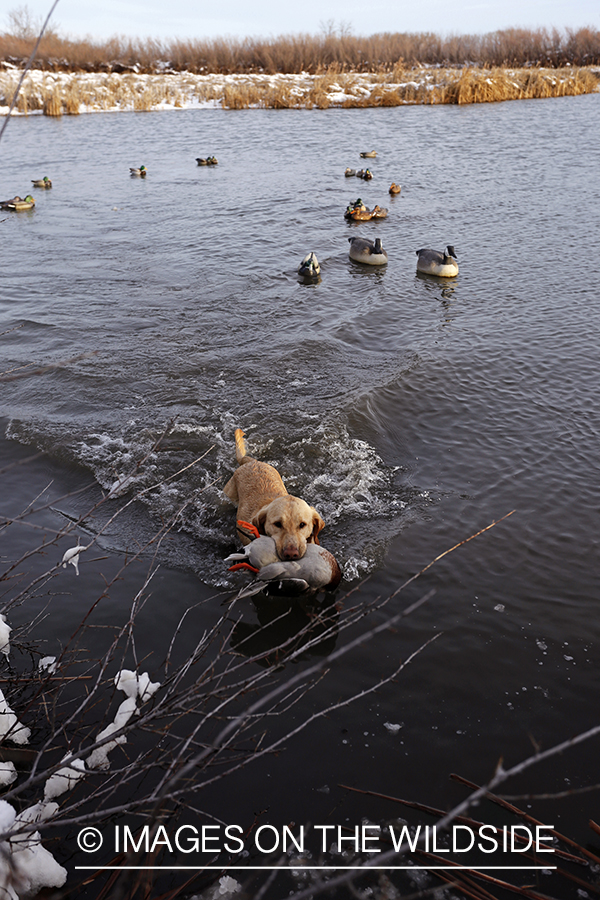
(264, 18)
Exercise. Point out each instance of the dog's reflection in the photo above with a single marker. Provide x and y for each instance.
(286, 625)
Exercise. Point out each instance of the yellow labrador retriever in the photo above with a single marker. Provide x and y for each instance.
(265, 507)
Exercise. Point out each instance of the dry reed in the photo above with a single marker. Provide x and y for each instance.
(56, 94)
(515, 47)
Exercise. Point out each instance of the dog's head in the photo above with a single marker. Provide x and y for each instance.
(291, 523)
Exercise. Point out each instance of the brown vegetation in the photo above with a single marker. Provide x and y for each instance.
(69, 93)
(552, 48)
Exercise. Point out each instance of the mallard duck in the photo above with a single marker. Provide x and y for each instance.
(349, 173)
(360, 213)
(367, 174)
(432, 262)
(370, 154)
(395, 188)
(309, 267)
(19, 205)
(363, 250)
(207, 161)
(42, 182)
(141, 172)
(316, 570)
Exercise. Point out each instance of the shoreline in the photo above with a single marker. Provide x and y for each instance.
(73, 93)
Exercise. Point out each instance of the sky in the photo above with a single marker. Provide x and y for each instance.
(266, 18)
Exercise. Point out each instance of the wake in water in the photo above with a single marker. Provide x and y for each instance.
(178, 474)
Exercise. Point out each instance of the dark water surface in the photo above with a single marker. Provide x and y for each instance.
(410, 411)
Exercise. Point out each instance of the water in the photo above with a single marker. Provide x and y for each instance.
(412, 412)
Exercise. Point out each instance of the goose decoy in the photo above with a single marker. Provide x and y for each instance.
(432, 262)
(349, 172)
(141, 172)
(370, 154)
(316, 570)
(18, 205)
(395, 188)
(42, 182)
(309, 267)
(363, 250)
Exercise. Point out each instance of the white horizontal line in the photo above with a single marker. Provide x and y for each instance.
(312, 868)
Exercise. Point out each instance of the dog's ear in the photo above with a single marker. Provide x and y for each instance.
(318, 526)
(260, 518)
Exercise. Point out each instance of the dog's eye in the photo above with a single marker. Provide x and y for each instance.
(302, 525)
(278, 524)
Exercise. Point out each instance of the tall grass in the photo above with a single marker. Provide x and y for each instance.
(70, 93)
(548, 47)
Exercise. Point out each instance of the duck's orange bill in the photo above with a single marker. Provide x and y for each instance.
(247, 526)
(244, 565)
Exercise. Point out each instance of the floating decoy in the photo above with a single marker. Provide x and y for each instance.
(142, 171)
(42, 182)
(316, 570)
(309, 267)
(360, 213)
(370, 154)
(395, 188)
(4, 204)
(363, 250)
(207, 161)
(432, 262)
(17, 204)
(367, 174)
(349, 173)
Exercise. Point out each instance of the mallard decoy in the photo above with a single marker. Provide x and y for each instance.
(19, 205)
(4, 204)
(316, 570)
(395, 188)
(367, 175)
(370, 154)
(357, 206)
(309, 267)
(141, 172)
(432, 262)
(207, 161)
(42, 182)
(363, 250)
(379, 212)
(350, 172)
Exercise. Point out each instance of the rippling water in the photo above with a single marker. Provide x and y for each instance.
(409, 410)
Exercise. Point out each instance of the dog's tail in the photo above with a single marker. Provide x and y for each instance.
(240, 445)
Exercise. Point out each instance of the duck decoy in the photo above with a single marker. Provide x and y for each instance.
(316, 570)
(42, 182)
(395, 188)
(4, 204)
(309, 267)
(350, 172)
(363, 250)
(360, 213)
(432, 262)
(369, 154)
(141, 172)
(366, 174)
(17, 204)
(207, 161)
(357, 206)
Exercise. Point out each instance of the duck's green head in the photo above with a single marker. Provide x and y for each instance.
(142, 168)
(45, 178)
(28, 198)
